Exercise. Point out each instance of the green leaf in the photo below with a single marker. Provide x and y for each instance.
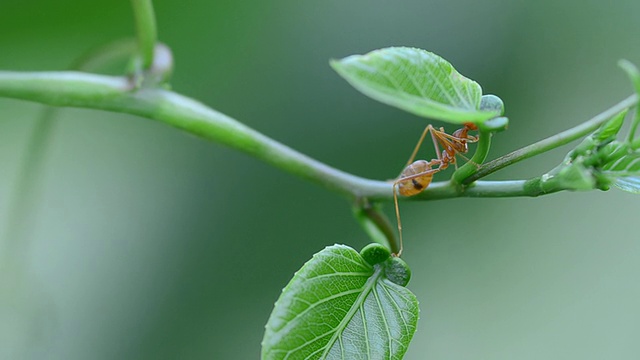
(576, 177)
(622, 167)
(634, 75)
(492, 103)
(609, 130)
(375, 254)
(398, 271)
(338, 306)
(419, 82)
(581, 168)
(604, 135)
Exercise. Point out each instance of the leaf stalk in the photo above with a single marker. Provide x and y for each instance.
(146, 30)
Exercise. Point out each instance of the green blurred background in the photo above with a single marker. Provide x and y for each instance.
(149, 243)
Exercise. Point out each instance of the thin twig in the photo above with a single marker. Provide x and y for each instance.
(146, 30)
(552, 142)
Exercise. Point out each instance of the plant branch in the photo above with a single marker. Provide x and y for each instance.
(376, 224)
(146, 30)
(552, 142)
(118, 94)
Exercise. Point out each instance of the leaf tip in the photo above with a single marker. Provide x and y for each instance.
(334, 63)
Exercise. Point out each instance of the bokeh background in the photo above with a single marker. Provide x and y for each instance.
(145, 242)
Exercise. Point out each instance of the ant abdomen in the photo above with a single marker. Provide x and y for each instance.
(415, 178)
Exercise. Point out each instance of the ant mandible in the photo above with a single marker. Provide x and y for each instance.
(417, 175)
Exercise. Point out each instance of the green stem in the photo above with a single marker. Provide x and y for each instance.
(376, 224)
(146, 30)
(118, 94)
(479, 189)
(471, 167)
(552, 142)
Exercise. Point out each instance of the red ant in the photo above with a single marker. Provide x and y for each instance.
(417, 175)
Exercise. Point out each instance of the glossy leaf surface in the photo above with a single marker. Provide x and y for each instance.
(416, 81)
(338, 306)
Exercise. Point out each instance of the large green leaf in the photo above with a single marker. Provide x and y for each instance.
(338, 306)
(416, 81)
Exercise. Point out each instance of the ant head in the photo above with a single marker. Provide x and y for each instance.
(470, 126)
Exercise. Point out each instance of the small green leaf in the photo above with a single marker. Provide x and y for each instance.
(576, 177)
(398, 271)
(338, 306)
(622, 166)
(609, 130)
(605, 134)
(416, 81)
(498, 123)
(634, 75)
(581, 167)
(375, 254)
(492, 103)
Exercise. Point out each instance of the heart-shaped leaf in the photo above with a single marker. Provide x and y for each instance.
(416, 81)
(339, 306)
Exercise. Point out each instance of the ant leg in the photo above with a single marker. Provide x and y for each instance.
(429, 170)
(395, 197)
(434, 139)
(455, 139)
(450, 141)
(415, 150)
